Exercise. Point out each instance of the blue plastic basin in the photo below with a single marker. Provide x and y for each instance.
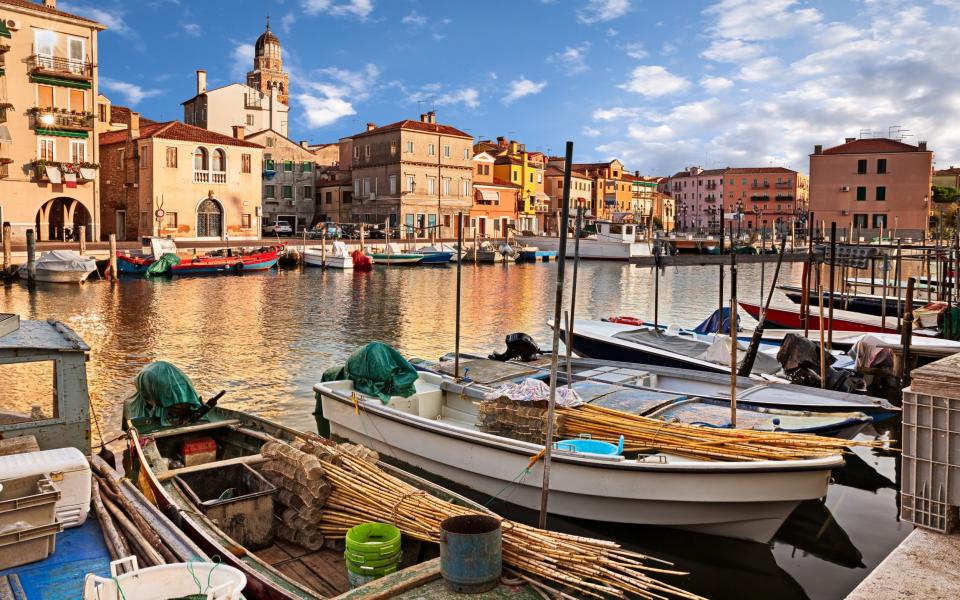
(588, 446)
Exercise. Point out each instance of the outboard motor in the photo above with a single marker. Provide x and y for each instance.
(519, 346)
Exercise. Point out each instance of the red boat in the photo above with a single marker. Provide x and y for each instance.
(789, 318)
(206, 265)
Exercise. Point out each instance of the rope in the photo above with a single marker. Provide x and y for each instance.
(512, 482)
(119, 589)
(396, 507)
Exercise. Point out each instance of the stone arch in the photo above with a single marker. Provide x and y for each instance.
(60, 218)
(210, 218)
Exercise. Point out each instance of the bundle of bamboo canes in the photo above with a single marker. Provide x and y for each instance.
(706, 443)
(362, 492)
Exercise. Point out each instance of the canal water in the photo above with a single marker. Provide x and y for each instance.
(267, 338)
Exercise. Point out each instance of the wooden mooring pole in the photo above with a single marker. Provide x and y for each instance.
(733, 336)
(112, 270)
(456, 343)
(83, 238)
(906, 335)
(31, 256)
(7, 246)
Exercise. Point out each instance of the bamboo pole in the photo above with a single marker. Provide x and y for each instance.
(456, 337)
(733, 338)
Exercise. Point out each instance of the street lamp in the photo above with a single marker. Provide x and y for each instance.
(683, 212)
(739, 215)
(759, 216)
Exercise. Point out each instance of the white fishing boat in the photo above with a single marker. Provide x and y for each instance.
(487, 252)
(337, 258)
(394, 255)
(435, 430)
(62, 266)
(613, 241)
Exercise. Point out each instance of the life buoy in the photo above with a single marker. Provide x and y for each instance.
(626, 320)
(238, 267)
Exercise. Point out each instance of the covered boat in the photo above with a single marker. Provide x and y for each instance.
(612, 241)
(338, 257)
(62, 266)
(394, 255)
(455, 254)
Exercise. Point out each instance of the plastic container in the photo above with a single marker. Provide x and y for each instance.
(177, 580)
(27, 545)
(590, 446)
(373, 540)
(29, 501)
(930, 480)
(471, 553)
(237, 498)
(69, 471)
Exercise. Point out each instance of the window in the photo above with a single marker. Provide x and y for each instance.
(102, 112)
(288, 166)
(861, 166)
(250, 120)
(356, 186)
(120, 157)
(170, 220)
(45, 96)
(431, 149)
(531, 177)
(329, 197)
(446, 151)
(860, 221)
(45, 41)
(200, 159)
(78, 100)
(307, 167)
(36, 383)
(393, 184)
(287, 192)
(466, 154)
(219, 160)
(366, 186)
(171, 157)
(76, 52)
(881, 192)
(431, 185)
(410, 147)
(540, 179)
(269, 191)
(881, 165)
(46, 149)
(411, 183)
(245, 163)
(356, 151)
(861, 193)
(879, 221)
(245, 221)
(78, 151)
(446, 220)
(366, 150)
(466, 187)
(516, 176)
(271, 141)
(308, 191)
(144, 156)
(446, 186)
(393, 148)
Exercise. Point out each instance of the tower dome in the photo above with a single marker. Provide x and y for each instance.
(268, 74)
(267, 43)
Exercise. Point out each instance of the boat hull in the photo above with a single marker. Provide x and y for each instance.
(58, 276)
(436, 258)
(588, 347)
(132, 265)
(784, 318)
(745, 504)
(868, 305)
(226, 266)
(591, 249)
(313, 258)
(396, 259)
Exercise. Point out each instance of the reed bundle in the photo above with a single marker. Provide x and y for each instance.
(693, 441)
(362, 492)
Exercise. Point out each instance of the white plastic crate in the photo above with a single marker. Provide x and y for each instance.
(930, 481)
(69, 471)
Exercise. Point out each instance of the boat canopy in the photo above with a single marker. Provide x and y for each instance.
(710, 324)
(159, 387)
(63, 260)
(377, 370)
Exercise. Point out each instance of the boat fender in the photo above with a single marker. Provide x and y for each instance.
(238, 267)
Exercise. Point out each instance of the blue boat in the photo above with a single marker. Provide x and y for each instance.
(533, 254)
(435, 258)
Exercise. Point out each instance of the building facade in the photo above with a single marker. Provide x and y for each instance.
(334, 196)
(417, 174)
(581, 194)
(949, 177)
(289, 180)
(173, 179)
(49, 160)
(496, 202)
(698, 195)
(877, 186)
(221, 109)
(764, 198)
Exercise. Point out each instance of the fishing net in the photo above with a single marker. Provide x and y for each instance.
(377, 370)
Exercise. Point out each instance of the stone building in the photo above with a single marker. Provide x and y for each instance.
(268, 73)
(173, 179)
(48, 153)
(289, 180)
(221, 109)
(412, 173)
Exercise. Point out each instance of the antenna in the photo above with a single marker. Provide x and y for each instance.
(419, 106)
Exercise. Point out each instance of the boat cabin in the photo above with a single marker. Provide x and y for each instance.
(610, 231)
(43, 379)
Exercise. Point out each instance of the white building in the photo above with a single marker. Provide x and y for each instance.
(220, 109)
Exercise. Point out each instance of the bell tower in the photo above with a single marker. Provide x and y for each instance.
(268, 70)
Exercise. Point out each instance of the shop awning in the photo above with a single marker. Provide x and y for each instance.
(62, 82)
(5, 135)
(489, 195)
(542, 197)
(62, 133)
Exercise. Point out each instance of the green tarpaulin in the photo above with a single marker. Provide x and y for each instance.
(162, 265)
(159, 386)
(377, 370)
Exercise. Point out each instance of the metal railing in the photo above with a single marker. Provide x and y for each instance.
(45, 118)
(209, 177)
(60, 66)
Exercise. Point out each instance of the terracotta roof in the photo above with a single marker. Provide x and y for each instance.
(950, 171)
(40, 7)
(554, 171)
(335, 182)
(600, 165)
(742, 170)
(120, 115)
(175, 130)
(871, 145)
(503, 182)
(417, 126)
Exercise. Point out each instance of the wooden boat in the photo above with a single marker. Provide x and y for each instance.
(283, 570)
(215, 265)
(646, 345)
(61, 266)
(393, 255)
(612, 241)
(798, 409)
(533, 254)
(337, 258)
(867, 304)
(455, 254)
(488, 252)
(435, 430)
(435, 257)
(788, 317)
(689, 243)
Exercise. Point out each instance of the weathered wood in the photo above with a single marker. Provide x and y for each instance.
(143, 548)
(113, 257)
(18, 445)
(115, 542)
(194, 428)
(31, 256)
(7, 245)
(940, 378)
(113, 493)
(253, 459)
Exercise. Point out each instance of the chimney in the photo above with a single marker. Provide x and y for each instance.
(423, 118)
(818, 149)
(501, 141)
(201, 82)
(636, 173)
(304, 144)
(432, 117)
(133, 130)
(921, 146)
(238, 132)
(848, 140)
(371, 126)
(50, 3)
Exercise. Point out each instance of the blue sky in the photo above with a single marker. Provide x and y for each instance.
(660, 85)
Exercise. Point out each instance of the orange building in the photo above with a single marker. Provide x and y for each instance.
(495, 201)
(581, 193)
(765, 197)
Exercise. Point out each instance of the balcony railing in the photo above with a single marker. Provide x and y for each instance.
(758, 186)
(209, 177)
(783, 184)
(59, 66)
(218, 177)
(58, 118)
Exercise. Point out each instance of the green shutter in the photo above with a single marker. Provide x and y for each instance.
(288, 165)
(70, 83)
(4, 32)
(861, 193)
(61, 133)
(307, 167)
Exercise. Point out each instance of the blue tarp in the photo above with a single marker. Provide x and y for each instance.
(710, 324)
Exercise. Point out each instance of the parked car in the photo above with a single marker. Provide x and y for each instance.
(278, 228)
(350, 231)
(377, 233)
(333, 231)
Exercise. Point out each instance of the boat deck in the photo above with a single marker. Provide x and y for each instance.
(323, 571)
(437, 590)
(79, 550)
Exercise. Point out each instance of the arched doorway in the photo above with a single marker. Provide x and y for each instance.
(210, 219)
(61, 218)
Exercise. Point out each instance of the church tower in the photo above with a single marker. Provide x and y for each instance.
(268, 70)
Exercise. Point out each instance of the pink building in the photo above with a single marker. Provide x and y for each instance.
(697, 193)
(878, 185)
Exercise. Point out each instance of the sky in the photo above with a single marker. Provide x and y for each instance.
(659, 84)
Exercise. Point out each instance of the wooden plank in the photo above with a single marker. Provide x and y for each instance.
(940, 378)
(273, 555)
(193, 428)
(389, 587)
(299, 572)
(294, 550)
(253, 459)
(18, 445)
(329, 566)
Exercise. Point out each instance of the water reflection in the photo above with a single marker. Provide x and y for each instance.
(266, 338)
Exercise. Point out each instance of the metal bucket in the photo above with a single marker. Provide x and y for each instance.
(471, 553)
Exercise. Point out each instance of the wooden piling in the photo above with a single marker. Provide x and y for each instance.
(733, 337)
(906, 335)
(833, 265)
(31, 256)
(720, 320)
(323, 248)
(112, 270)
(7, 246)
(456, 343)
(83, 238)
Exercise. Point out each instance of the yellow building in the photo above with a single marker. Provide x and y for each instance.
(48, 129)
(515, 165)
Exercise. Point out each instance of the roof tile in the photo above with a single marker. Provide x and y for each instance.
(175, 130)
(416, 126)
(871, 145)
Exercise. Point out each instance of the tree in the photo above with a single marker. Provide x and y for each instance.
(945, 195)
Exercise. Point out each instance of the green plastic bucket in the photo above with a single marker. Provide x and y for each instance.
(362, 560)
(373, 540)
(371, 571)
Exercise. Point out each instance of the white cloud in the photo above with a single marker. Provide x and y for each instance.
(761, 69)
(590, 131)
(599, 11)
(731, 51)
(332, 92)
(113, 19)
(654, 81)
(192, 29)
(131, 93)
(414, 19)
(572, 59)
(287, 21)
(616, 113)
(635, 50)
(241, 61)
(523, 87)
(751, 21)
(433, 93)
(716, 84)
(360, 9)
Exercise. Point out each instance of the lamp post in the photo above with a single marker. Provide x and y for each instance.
(739, 216)
(759, 215)
(683, 213)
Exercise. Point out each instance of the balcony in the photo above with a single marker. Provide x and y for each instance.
(710, 198)
(209, 177)
(783, 185)
(84, 171)
(61, 119)
(60, 67)
(760, 186)
(711, 186)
